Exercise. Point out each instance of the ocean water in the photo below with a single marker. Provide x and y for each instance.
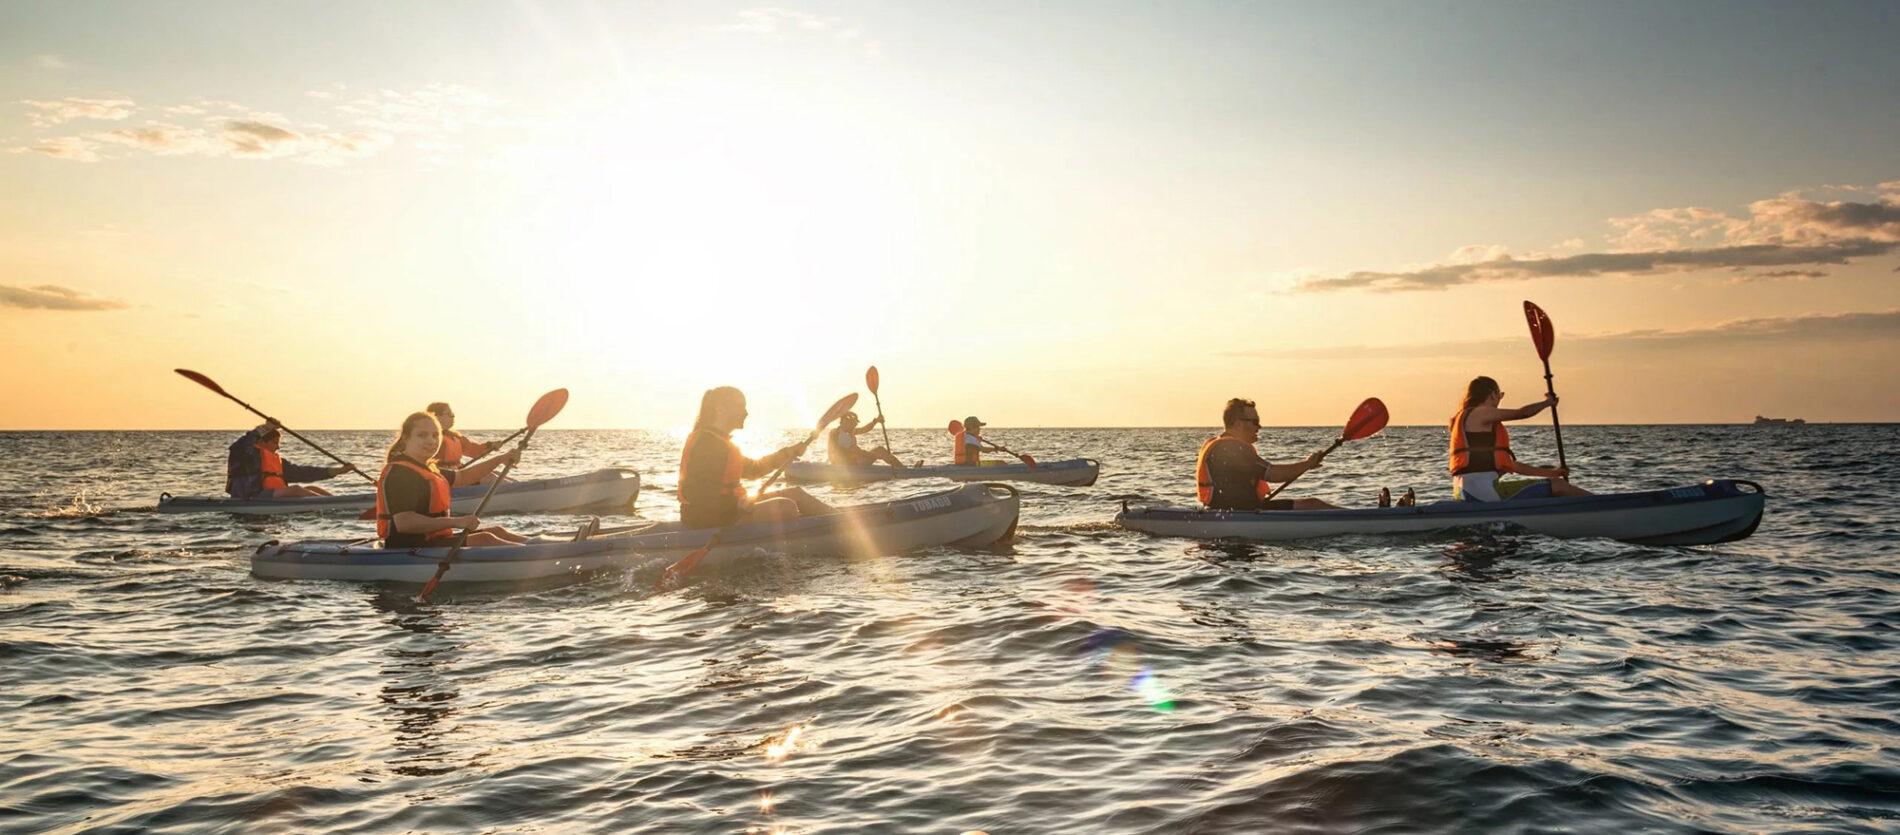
(1080, 678)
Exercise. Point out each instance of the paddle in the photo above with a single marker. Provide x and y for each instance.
(957, 426)
(202, 380)
(498, 445)
(1544, 334)
(544, 410)
(1366, 421)
(870, 380)
(671, 577)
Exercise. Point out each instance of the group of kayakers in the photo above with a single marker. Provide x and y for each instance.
(429, 458)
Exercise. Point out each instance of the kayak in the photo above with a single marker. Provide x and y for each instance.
(1701, 514)
(610, 490)
(973, 515)
(1075, 472)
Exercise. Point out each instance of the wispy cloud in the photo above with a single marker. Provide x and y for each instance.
(1875, 325)
(54, 297)
(72, 148)
(215, 128)
(785, 24)
(1784, 231)
(47, 114)
(51, 62)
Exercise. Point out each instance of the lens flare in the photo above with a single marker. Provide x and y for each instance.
(1151, 691)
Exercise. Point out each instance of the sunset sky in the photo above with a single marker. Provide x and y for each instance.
(1056, 214)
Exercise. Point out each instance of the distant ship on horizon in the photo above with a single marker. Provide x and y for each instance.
(1768, 421)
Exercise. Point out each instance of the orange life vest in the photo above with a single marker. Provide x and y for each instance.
(1480, 452)
(450, 453)
(438, 500)
(957, 455)
(729, 480)
(272, 467)
(1204, 480)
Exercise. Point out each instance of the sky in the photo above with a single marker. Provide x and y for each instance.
(1050, 214)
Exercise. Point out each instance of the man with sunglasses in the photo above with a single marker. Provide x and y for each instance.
(1231, 475)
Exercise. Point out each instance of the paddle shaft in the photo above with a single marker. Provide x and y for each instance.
(1550, 389)
(499, 444)
(1329, 450)
(880, 421)
(670, 577)
(293, 433)
(461, 541)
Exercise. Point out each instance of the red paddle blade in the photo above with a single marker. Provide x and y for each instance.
(200, 379)
(1028, 459)
(671, 577)
(1542, 331)
(870, 379)
(956, 426)
(547, 407)
(838, 409)
(1366, 420)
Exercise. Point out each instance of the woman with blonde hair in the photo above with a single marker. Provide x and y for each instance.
(1481, 450)
(712, 469)
(412, 495)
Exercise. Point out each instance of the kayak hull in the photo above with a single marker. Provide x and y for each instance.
(609, 490)
(1702, 514)
(973, 515)
(1075, 472)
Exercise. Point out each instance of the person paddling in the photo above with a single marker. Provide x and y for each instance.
(412, 495)
(455, 446)
(967, 449)
(712, 470)
(253, 469)
(842, 447)
(1231, 475)
(1481, 450)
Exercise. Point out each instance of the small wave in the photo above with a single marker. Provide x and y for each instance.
(77, 508)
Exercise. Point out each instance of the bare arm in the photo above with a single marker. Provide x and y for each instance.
(1282, 473)
(1484, 417)
(474, 473)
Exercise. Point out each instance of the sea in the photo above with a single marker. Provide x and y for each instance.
(1080, 678)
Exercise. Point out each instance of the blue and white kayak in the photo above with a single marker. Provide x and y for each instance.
(602, 491)
(1075, 472)
(1701, 514)
(973, 515)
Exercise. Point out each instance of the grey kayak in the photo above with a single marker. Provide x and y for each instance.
(611, 490)
(1701, 514)
(1075, 472)
(973, 515)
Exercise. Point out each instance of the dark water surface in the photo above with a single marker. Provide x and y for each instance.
(1080, 679)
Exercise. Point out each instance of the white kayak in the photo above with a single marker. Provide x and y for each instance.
(1701, 514)
(973, 515)
(611, 490)
(1075, 472)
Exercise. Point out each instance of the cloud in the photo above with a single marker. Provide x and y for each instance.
(1801, 274)
(54, 297)
(68, 147)
(50, 62)
(259, 139)
(1875, 325)
(46, 114)
(1783, 231)
(217, 128)
(784, 24)
(165, 140)
(432, 109)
